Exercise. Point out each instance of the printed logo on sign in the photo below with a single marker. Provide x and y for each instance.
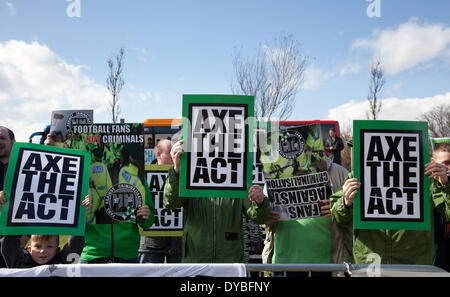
(291, 144)
(78, 118)
(122, 201)
(46, 189)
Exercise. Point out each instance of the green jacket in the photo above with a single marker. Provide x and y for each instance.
(213, 231)
(116, 239)
(393, 246)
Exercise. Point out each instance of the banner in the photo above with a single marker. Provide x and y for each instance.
(168, 222)
(117, 176)
(44, 188)
(297, 181)
(389, 159)
(218, 137)
(299, 197)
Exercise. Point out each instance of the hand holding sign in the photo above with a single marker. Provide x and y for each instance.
(350, 189)
(175, 153)
(437, 171)
(255, 193)
(143, 212)
(2, 199)
(325, 208)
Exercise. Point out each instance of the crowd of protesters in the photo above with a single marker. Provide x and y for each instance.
(213, 227)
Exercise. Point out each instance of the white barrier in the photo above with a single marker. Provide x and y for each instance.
(129, 270)
(217, 270)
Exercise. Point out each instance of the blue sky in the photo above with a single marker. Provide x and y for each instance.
(51, 61)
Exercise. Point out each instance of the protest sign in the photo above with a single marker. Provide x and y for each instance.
(117, 186)
(435, 141)
(168, 222)
(298, 197)
(44, 188)
(62, 121)
(297, 181)
(389, 159)
(218, 137)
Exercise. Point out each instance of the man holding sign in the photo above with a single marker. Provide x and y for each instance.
(390, 159)
(213, 226)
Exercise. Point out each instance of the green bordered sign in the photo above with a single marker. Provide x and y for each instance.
(168, 222)
(435, 141)
(218, 142)
(44, 188)
(389, 159)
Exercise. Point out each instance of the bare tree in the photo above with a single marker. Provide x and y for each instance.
(376, 83)
(274, 76)
(114, 83)
(438, 121)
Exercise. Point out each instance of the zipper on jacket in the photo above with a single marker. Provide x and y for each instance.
(214, 231)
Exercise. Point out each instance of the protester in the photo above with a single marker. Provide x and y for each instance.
(7, 140)
(154, 249)
(213, 226)
(441, 156)
(413, 247)
(310, 240)
(109, 241)
(43, 249)
(334, 146)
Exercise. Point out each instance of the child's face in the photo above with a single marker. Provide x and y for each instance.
(43, 251)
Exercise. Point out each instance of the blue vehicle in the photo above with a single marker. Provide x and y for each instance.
(42, 134)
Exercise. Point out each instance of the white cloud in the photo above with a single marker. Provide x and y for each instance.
(408, 109)
(409, 45)
(34, 81)
(349, 68)
(315, 77)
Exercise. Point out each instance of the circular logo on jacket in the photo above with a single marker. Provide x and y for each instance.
(122, 201)
(291, 144)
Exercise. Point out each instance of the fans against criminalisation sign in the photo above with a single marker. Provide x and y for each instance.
(296, 178)
(390, 164)
(218, 161)
(45, 186)
(299, 197)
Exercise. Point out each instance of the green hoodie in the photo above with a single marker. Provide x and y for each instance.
(393, 246)
(120, 239)
(213, 231)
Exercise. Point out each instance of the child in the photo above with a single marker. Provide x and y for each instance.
(43, 249)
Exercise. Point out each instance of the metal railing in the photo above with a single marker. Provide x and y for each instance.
(348, 269)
